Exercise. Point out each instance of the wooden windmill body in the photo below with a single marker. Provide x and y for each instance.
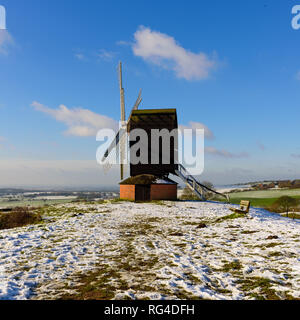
(151, 181)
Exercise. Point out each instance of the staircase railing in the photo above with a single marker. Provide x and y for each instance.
(198, 188)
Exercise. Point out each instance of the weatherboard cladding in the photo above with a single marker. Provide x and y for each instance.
(148, 119)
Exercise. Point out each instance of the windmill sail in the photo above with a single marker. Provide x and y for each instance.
(122, 103)
(122, 94)
(138, 101)
(122, 131)
(119, 144)
(115, 143)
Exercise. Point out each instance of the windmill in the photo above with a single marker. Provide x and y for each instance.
(119, 143)
(150, 181)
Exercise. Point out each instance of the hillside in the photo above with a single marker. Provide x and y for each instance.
(173, 250)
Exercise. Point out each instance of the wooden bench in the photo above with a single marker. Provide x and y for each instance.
(244, 207)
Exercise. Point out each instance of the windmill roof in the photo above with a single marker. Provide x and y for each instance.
(153, 111)
(153, 118)
(146, 179)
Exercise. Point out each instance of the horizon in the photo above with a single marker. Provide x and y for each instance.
(114, 188)
(237, 79)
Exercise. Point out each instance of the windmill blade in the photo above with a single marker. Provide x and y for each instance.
(114, 144)
(123, 119)
(121, 172)
(122, 93)
(123, 154)
(138, 101)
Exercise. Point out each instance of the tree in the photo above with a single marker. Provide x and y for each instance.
(188, 194)
(208, 184)
(285, 203)
(208, 194)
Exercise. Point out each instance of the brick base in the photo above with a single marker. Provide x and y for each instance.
(127, 192)
(163, 192)
(157, 192)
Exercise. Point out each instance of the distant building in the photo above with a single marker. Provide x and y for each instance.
(284, 184)
(296, 183)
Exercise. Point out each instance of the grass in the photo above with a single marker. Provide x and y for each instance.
(231, 216)
(107, 280)
(275, 254)
(95, 286)
(263, 198)
(260, 202)
(293, 215)
(275, 194)
(158, 202)
(248, 231)
(19, 217)
(255, 202)
(258, 288)
(32, 203)
(204, 223)
(272, 245)
(118, 200)
(143, 179)
(232, 266)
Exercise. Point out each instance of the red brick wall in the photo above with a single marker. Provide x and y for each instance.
(158, 192)
(127, 192)
(163, 192)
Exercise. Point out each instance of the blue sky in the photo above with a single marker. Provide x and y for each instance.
(231, 66)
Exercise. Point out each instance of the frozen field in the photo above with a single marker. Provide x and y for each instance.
(152, 251)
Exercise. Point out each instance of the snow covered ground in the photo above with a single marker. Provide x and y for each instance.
(153, 250)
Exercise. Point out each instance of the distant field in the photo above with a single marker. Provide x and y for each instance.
(266, 193)
(257, 202)
(264, 198)
(32, 203)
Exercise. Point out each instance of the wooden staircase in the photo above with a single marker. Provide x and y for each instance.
(198, 188)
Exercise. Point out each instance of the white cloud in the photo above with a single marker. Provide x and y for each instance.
(80, 122)
(123, 43)
(163, 50)
(90, 56)
(6, 41)
(198, 125)
(225, 154)
(106, 55)
(79, 56)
